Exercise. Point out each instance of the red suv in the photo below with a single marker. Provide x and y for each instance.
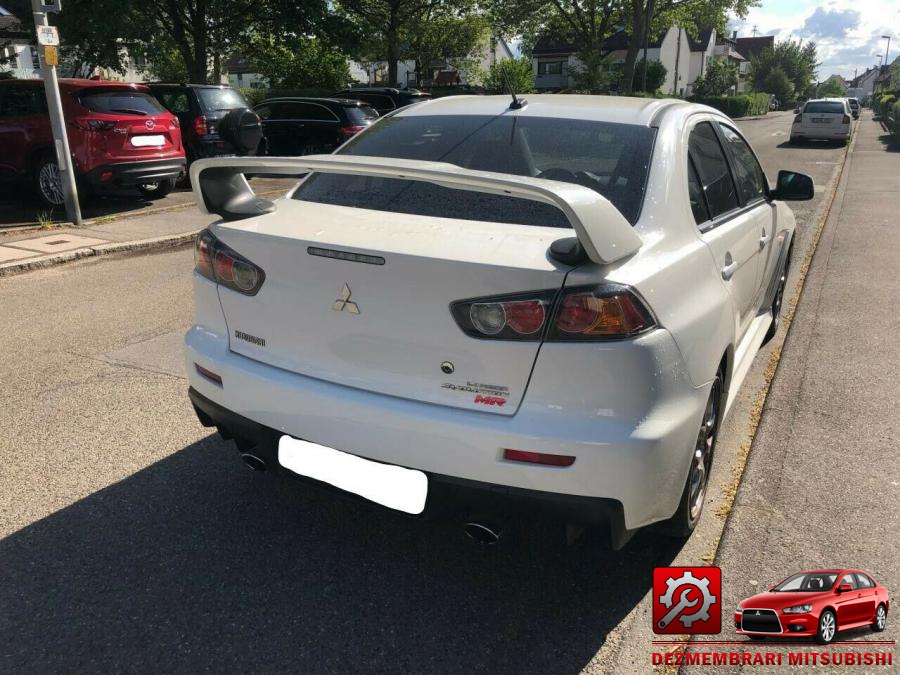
(118, 134)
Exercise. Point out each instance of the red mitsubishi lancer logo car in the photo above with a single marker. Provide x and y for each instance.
(815, 604)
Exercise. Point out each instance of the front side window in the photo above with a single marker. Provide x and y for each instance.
(715, 176)
(849, 579)
(611, 159)
(749, 174)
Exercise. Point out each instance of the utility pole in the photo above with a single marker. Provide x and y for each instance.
(48, 49)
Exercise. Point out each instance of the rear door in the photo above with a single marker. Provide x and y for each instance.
(753, 191)
(731, 233)
(868, 597)
(24, 125)
(320, 127)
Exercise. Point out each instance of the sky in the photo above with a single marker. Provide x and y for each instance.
(847, 32)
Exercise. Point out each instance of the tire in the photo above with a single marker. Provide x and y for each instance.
(778, 300)
(157, 189)
(880, 619)
(47, 181)
(690, 507)
(827, 628)
(793, 140)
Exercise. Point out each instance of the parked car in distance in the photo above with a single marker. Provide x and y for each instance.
(815, 604)
(500, 302)
(215, 119)
(854, 107)
(119, 135)
(822, 119)
(304, 126)
(384, 99)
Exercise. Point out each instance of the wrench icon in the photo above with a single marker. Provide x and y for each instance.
(676, 610)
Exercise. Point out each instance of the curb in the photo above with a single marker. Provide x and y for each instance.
(113, 248)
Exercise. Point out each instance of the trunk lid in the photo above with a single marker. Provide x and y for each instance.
(386, 328)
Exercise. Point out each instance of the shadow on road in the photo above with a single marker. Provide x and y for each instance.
(890, 142)
(195, 563)
(811, 145)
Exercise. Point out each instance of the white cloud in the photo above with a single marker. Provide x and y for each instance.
(847, 32)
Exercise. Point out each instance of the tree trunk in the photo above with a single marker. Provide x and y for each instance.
(217, 68)
(638, 23)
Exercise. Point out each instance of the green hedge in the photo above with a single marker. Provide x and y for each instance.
(744, 105)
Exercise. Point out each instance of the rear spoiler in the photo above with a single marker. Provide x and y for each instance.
(606, 236)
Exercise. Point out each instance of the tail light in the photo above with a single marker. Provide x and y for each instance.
(86, 124)
(175, 122)
(201, 125)
(221, 264)
(544, 458)
(606, 312)
(798, 118)
(846, 119)
(349, 132)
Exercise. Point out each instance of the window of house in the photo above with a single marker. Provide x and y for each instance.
(712, 167)
(550, 67)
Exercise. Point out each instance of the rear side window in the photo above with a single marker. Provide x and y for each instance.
(749, 174)
(120, 102)
(215, 100)
(307, 111)
(360, 114)
(175, 101)
(380, 102)
(712, 168)
(611, 159)
(22, 101)
(821, 107)
(864, 581)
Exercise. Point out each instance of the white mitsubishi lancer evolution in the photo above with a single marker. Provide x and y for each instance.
(479, 306)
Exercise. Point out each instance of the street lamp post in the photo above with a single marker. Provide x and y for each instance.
(887, 50)
(48, 42)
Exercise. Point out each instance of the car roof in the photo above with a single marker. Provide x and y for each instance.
(69, 83)
(314, 99)
(621, 109)
(188, 85)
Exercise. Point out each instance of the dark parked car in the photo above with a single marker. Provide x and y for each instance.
(119, 135)
(384, 99)
(306, 126)
(215, 120)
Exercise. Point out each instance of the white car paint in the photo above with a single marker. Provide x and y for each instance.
(628, 410)
(822, 126)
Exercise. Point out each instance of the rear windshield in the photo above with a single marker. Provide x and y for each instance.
(824, 107)
(213, 100)
(612, 159)
(361, 114)
(120, 102)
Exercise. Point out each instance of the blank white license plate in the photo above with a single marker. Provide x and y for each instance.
(393, 486)
(821, 120)
(148, 141)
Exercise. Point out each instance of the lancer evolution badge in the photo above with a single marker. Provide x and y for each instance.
(344, 303)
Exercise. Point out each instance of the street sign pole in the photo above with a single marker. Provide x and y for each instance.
(54, 106)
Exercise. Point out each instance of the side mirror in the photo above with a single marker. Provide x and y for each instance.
(845, 588)
(772, 587)
(793, 186)
(796, 111)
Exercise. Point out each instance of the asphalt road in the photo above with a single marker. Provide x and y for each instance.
(133, 540)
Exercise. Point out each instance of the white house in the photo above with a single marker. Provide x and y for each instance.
(554, 59)
(18, 54)
(863, 85)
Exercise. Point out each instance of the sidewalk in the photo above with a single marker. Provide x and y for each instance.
(822, 486)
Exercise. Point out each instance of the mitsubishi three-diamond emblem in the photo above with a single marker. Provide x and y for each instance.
(344, 303)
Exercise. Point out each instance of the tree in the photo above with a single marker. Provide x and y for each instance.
(798, 62)
(298, 63)
(389, 23)
(832, 87)
(778, 85)
(519, 71)
(656, 76)
(718, 79)
(445, 37)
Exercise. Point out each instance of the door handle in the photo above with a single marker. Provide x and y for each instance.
(730, 267)
(763, 240)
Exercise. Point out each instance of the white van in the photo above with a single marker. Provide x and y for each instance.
(822, 118)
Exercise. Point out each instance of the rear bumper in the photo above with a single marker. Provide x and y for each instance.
(841, 133)
(448, 496)
(136, 173)
(632, 434)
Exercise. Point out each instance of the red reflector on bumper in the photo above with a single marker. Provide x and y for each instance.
(538, 458)
(208, 374)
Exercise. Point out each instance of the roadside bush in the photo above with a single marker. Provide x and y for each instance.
(744, 105)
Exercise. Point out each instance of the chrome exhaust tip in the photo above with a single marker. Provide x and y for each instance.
(482, 533)
(253, 461)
